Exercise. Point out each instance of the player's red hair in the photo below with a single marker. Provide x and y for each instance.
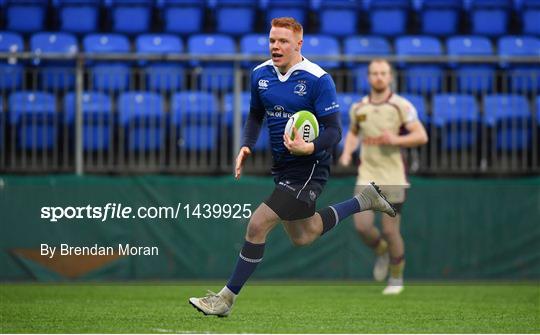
(288, 23)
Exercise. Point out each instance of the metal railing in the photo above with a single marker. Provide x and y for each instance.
(160, 114)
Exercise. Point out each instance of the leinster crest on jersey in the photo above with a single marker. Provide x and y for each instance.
(300, 89)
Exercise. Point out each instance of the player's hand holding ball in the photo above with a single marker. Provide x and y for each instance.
(301, 129)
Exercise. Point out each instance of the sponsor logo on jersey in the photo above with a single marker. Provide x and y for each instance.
(278, 111)
(332, 106)
(312, 195)
(263, 84)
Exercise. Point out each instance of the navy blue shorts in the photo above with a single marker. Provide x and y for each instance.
(297, 189)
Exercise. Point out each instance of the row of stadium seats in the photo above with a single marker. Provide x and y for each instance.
(170, 78)
(219, 75)
(257, 44)
(196, 118)
(237, 17)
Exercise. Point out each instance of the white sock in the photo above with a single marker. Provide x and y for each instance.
(364, 201)
(227, 294)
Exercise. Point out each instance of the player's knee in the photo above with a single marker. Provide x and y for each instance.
(390, 233)
(300, 241)
(256, 231)
(362, 227)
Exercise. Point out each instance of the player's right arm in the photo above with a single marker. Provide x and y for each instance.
(252, 127)
(350, 146)
(351, 140)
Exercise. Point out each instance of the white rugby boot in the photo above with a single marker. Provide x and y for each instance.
(371, 197)
(213, 304)
(380, 270)
(395, 286)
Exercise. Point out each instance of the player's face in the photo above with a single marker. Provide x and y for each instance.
(380, 76)
(284, 47)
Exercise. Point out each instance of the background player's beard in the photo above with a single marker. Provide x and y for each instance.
(378, 90)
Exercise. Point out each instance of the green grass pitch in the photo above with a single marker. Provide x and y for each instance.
(263, 307)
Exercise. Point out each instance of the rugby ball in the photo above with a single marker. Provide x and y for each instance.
(306, 124)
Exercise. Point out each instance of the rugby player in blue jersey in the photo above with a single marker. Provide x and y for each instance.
(281, 86)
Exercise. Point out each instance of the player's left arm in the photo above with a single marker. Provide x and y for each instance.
(416, 136)
(327, 113)
(416, 133)
(326, 139)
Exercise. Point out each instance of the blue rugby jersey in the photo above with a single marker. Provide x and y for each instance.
(306, 86)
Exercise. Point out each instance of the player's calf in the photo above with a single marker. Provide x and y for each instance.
(370, 198)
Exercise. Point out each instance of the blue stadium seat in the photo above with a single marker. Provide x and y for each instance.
(34, 116)
(131, 16)
(11, 42)
(388, 17)
(52, 42)
(509, 118)
(289, 8)
(228, 107)
(472, 78)
(321, 45)
(214, 75)
(469, 46)
(418, 46)
(456, 118)
(338, 17)
(98, 121)
(183, 17)
(538, 110)
(141, 116)
(530, 17)
(2, 124)
(194, 107)
(210, 44)
(25, 16)
(106, 43)
(55, 74)
(11, 73)
(161, 75)
(519, 46)
(440, 17)
(108, 75)
(423, 78)
(78, 16)
(365, 46)
(490, 17)
(195, 115)
(235, 17)
(524, 77)
(360, 75)
(254, 44)
(345, 101)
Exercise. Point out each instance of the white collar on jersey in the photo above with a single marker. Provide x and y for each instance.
(305, 65)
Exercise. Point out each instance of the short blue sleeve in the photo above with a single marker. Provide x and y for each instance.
(325, 97)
